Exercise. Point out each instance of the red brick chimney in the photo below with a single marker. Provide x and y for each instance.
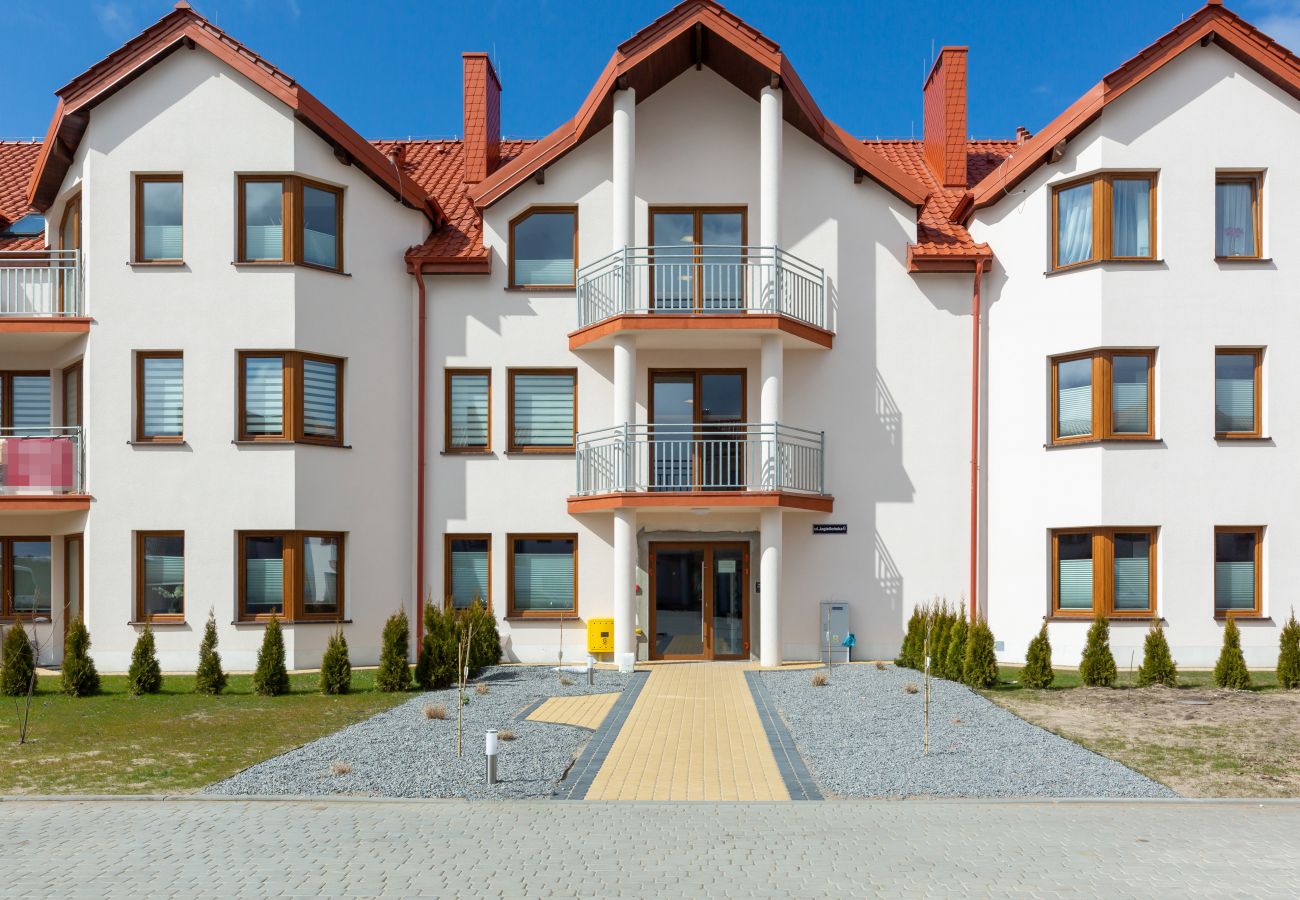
(945, 117)
(482, 117)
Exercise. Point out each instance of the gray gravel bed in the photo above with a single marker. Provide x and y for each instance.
(400, 753)
(861, 736)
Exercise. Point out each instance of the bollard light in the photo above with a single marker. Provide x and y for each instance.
(491, 756)
(591, 671)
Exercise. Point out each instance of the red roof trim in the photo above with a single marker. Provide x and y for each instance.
(183, 27)
(1210, 23)
(652, 40)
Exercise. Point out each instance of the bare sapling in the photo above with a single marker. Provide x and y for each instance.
(929, 628)
(462, 676)
(23, 702)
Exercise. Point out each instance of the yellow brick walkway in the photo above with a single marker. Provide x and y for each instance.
(694, 734)
(584, 710)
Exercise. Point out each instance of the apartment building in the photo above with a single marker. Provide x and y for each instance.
(699, 361)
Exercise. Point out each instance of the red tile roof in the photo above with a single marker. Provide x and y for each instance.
(937, 237)
(17, 159)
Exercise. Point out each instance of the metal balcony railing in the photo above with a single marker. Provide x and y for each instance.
(40, 283)
(677, 458)
(702, 280)
(41, 460)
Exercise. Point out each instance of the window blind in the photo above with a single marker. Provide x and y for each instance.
(1074, 398)
(469, 410)
(264, 575)
(543, 575)
(164, 575)
(320, 385)
(1132, 571)
(469, 573)
(263, 395)
(162, 219)
(543, 249)
(263, 220)
(1234, 392)
(1074, 571)
(1129, 401)
(31, 403)
(543, 410)
(163, 391)
(1234, 570)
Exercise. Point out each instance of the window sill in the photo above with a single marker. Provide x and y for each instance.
(485, 452)
(176, 444)
(156, 263)
(283, 264)
(159, 623)
(243, 622)
(1252, 617)
(1113, 620)
(1247, 260)
(1098, 263)
(546, 618)
(1244, 438)
(1093, 442)
(281, 442)
(541, 288)
(34, 619)
(529, 451)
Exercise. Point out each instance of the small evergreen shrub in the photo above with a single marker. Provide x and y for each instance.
(145, 675)
(79, 676)
(941, 621)
(1158, 666)
(955, 655)
(1097, 667)
(485, 641)
(980, 667)
(17, 662)
(1288, 657)
(209, 678)
(1037, 672)
(394, 669)
(335, 668)
(435, 667)
(1230, 671)
(271, 678)
(909, 655)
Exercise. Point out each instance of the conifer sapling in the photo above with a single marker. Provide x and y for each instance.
(1158, 665)
(394, 669)
(955, 655)
(1097, 668)
(1288, 657)
(980, 667)
(17, 662)
(335, 667)
(1230, 671)
(1037, 673)
(145, 675)
(271, 678)
(79, 676)
(209, 678)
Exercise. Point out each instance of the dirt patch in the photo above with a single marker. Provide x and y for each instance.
(1200, 742)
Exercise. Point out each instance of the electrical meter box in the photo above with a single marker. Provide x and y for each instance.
(600, 635)
(834, 628)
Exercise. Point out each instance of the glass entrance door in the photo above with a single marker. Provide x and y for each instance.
(699, 258)
(696, 422)
(699, 600)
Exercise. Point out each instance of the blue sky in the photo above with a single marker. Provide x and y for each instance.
(392, 68)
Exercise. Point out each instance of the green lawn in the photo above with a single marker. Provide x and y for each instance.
(168, 742)
(1009, 679)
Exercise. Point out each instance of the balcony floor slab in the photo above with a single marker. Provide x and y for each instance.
(711, 330)
(677, 500)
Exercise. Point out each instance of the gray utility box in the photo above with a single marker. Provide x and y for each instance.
(834, 628)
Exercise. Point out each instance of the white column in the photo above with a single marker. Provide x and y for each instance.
(769, 167)
(625, 589)
(769, 589)
(624, 379)
(772, 366)
(623, 228)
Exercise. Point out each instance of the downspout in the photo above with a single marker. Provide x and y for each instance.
(975, 440)
(419, 462)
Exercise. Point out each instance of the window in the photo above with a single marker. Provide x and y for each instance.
(25, 402)
(468, 570)
(72, 395)
(544, 248)
(159, 397)
(1238, 569)
(1103, 395)
(1111, 215)
(158, 218)
(290, 396)
(1237, 393)
(1106, 570)
(30, 225)
(543, 579)
(295, 575)
(1237, 220)
(543, 404)
(468, 424)
(160, 576)
(285, 218)
(25, 584)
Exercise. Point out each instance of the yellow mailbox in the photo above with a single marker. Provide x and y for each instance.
(600, 635)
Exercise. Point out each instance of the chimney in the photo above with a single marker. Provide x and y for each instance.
(1022, 134)
(482, 117)
(945, 117)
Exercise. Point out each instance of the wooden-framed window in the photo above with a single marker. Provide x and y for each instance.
(543, 410)
(467, 423)
(467, 570)
(1107, 216)
(288, 395)
(1238, 392)
(159, 219)
(1106, 570)
(25, 580)
(544, 248)
(699, 256)
(1238, 570)
(159, 396)
(542, 575)
(25, 403)
(1103, 395)
(72, 395)
(295, 575)
(160, 576)
(290, 219)
(1238, 218)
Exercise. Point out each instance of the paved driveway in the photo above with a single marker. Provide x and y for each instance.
(366, 848)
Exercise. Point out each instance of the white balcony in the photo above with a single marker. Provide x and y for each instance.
(40, 284)
(37, 464)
